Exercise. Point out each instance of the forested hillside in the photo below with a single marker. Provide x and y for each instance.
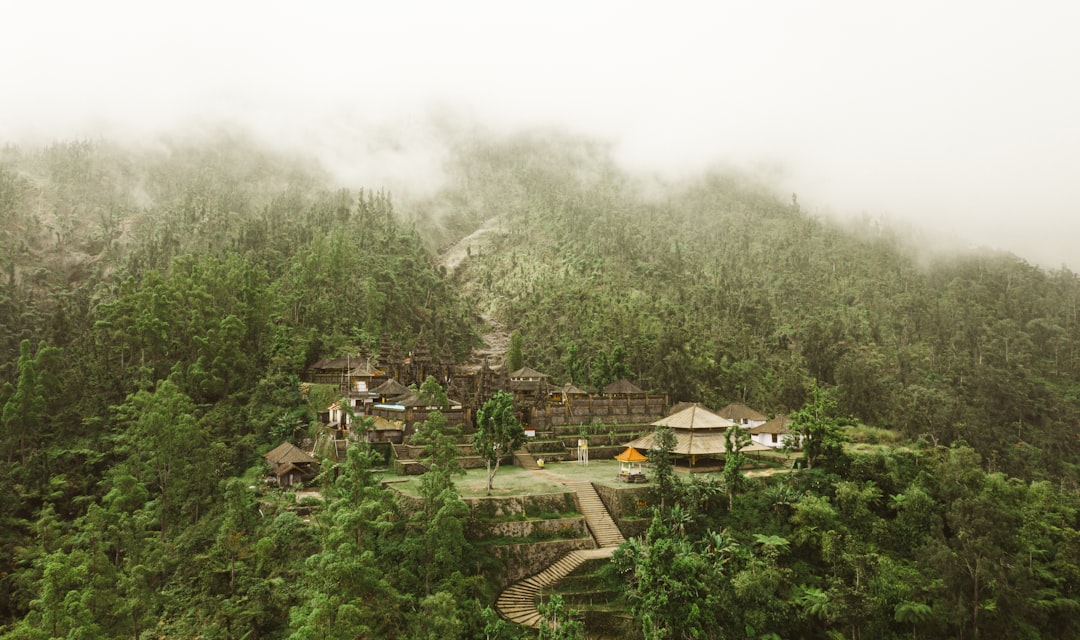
(157, 309)
(158, 306)
(713, 289)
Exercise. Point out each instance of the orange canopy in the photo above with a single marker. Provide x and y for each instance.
(630, 455)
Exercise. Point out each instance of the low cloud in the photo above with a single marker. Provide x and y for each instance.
(959, 119)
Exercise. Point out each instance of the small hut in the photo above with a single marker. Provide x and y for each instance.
(775, 433)
(290, 465)
(623, 389)
(529, 386)
(742, 415)
(630, 465)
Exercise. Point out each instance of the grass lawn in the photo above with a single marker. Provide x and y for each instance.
(513, 480)
(598, 471)
(509, 481)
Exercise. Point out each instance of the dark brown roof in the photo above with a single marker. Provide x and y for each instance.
(621, 386)
(779, 424)
(364, 371)
(341, 362)
(571, 390)
(391, 388)
(739, 411)
(288, 454)
(525, 385)
(408, 399)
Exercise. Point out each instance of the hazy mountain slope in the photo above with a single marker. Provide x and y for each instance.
(712, 289)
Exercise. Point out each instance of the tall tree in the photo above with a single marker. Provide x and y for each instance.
(819, 428)
(24, 413)
(498, 432)
(735, 438)
(514, 358)
(166, 442)
(667, 485)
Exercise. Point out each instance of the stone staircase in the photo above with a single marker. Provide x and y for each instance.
(518, 602)
(525, 460)
(602, 527)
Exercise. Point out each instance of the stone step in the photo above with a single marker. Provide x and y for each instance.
(525, 460)
(517, 602)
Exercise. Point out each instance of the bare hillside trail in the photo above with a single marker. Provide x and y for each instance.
(496, 337)
(456, 253)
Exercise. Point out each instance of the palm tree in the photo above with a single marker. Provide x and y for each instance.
(815, 603)
(913, 613)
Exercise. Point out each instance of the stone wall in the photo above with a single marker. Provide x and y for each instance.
(565, 528)
(411, 416)
(523, 560)
(604, 409)
(488, 508)
(622, 504)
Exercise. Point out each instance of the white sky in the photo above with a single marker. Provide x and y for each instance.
(959, 117)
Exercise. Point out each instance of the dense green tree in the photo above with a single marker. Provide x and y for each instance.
(557, 622)
(735, 438)
(663, 467)
(191, 283)
(514, 358)
(498, 432)
(820, 429)
(165, 440)
(346, 592)
(23, 415)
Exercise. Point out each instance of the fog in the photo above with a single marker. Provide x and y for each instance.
(959, 118)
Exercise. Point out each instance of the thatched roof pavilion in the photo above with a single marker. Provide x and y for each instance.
(698, 432)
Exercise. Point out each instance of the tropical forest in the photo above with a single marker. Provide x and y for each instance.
(165, 310)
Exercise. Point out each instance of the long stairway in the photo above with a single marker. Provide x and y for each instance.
(517, 602)
(601, 525)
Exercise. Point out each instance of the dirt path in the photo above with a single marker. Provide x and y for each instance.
(460, 250)
(496, 337)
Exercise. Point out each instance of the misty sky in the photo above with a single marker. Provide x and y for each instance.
(959, 117)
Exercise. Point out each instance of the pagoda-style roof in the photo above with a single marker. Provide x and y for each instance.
(622, 387)
(571, 390)
(778, 425)
(698, 432)
(526, 386)
(695, 443)
(287, 457)
(365, 371)
(631, 455)
(340, 362)
(391, 388)
(695, 417)
(288, 453)
(525, 373)
(739, 411)
(407, 399)
(679, 406)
